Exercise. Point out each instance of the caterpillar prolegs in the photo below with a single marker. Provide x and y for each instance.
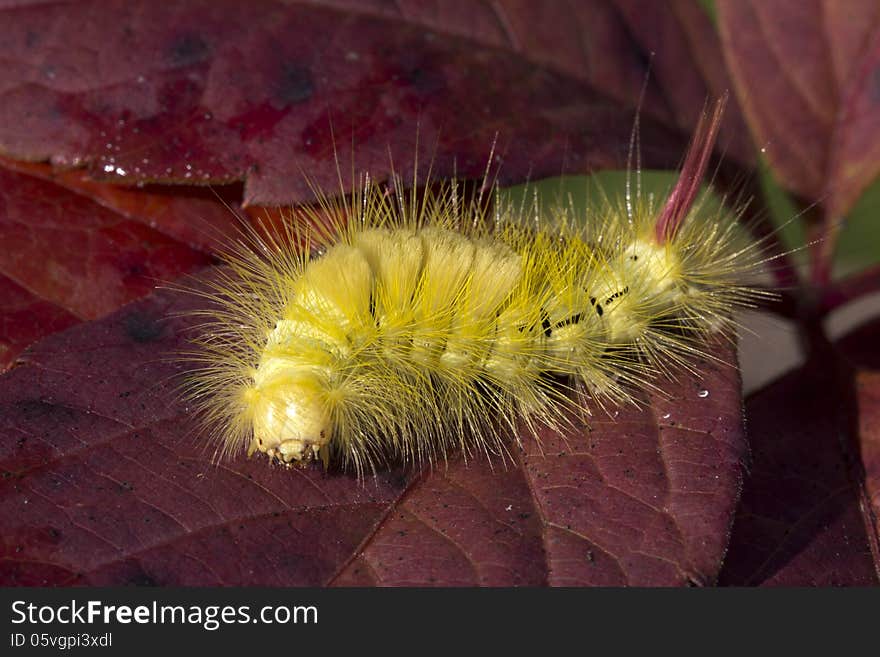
(404, 328)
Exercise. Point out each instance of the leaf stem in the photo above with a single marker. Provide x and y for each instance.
(849, 289)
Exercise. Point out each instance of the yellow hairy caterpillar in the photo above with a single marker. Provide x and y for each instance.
(403, 328)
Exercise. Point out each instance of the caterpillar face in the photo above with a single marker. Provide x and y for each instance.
(289, 419)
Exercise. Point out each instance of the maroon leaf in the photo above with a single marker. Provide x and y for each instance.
(105, 481)
(66, 258)
(25, 318)
(688, 66)
(643, 498)
(868, 391)
(806, 74)
(203, 101)
(806, 516)
(199, 217)
(617, 46)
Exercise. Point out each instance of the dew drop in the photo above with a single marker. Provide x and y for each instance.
(703, 394)
(666, 416)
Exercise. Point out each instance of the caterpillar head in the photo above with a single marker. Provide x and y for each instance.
(288, 413)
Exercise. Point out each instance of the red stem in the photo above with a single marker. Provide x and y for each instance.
(849, 289)
(822, 239)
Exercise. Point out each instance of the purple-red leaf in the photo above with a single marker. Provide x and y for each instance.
(806, 74)
(687, 67)
(868, 396)
(25, 318)
(808, 515)
(106, 481)
(616, 46)
(197, 216)
(65, 258)
(200, 100)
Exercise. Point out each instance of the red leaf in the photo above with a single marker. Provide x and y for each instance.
(202, 101)
(688, 67)
(66, 258)
(806, 516)
(192, 215)
(617, 46)
(868, 391)
(806, 76)
(105, 482)
(25, 318)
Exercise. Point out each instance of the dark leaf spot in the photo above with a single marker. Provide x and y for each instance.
(295, 84)
(188, 49)
(143, 328)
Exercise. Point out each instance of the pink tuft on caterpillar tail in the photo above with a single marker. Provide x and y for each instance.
(682, 196)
